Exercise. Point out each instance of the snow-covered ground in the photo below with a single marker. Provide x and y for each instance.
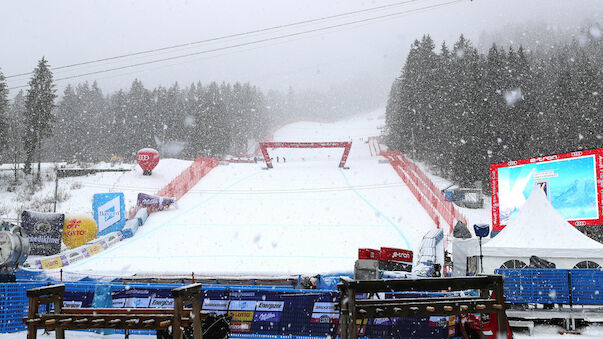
(75, 193)
(305, 216)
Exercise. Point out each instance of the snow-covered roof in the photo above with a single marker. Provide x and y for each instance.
(538, 229)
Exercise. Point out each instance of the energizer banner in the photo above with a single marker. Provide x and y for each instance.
(109, 212)
(44, 231)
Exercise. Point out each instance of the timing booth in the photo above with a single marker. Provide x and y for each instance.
(539, 230)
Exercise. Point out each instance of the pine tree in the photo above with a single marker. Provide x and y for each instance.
(141, 127)
(70, 125)
(39, 104)
(15, 131)
(4, 123)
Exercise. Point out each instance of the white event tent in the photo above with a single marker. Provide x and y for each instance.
(538, 229)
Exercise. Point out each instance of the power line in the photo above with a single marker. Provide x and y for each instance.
(254, 42)
(237, 35)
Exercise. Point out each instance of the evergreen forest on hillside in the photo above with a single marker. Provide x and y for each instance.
(85, 125)
(459, 110)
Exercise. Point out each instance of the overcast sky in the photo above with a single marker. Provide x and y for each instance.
(68, 32)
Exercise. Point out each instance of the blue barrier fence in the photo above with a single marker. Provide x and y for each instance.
(256, 311)
(553, 286)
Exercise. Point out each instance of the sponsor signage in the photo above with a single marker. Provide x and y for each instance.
(131, 298)
(325, 318)
(368, 254)
(324, 307)
(109, 212)
(573, 183)
(440, 321)
(50, 263)
(72, 304)
(396, 254)
(242, 305)
(119, 303)
(273, 317)
(384, 321)
(324, 313)
(270, 306)
(44, 232)
(215, 305)
(153, 201)
(240, 326)
(94, 249)
(161, 302)
(241, 315)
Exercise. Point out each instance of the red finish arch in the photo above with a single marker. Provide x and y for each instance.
(346, 145)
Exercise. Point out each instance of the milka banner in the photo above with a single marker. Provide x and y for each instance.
(44, 231)
(155, 202)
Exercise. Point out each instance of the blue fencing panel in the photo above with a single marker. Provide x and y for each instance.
(517, 285)
(551, 286)
(13, 305)
(587, 286)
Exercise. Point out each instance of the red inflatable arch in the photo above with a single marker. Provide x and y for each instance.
(346, 145)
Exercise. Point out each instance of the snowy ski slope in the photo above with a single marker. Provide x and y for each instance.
(305, 216)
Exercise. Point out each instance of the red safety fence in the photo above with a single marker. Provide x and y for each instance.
(181, 184)
(425, 191)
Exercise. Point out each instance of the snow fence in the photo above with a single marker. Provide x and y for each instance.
(425, 191)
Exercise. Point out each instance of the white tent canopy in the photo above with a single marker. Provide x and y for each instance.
(538, 229)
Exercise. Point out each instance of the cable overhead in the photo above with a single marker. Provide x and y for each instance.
(253, 42)
(237, 35)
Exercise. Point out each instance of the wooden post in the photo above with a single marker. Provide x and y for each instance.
(58, 307)
(501, 314)
(31, 313)
(196, 313)
(352, 311)
(344, 313)
(176, 322)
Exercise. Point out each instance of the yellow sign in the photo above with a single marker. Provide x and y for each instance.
(51, 263)
(241, 315)
(78, 230)
(95, 249)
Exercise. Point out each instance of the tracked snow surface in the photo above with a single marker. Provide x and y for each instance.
(304, 216)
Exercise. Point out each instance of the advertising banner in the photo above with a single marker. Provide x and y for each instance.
(153, 201)
(279, 313)
(396, 254)
(272, 317)
(395, 259)
(109, 212)
(44, 231)
(132, 298)
(573, 183)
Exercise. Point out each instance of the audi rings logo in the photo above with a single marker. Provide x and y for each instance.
(143, 157)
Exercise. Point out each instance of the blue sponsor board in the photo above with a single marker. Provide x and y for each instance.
(109, 212)
(272, 317)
